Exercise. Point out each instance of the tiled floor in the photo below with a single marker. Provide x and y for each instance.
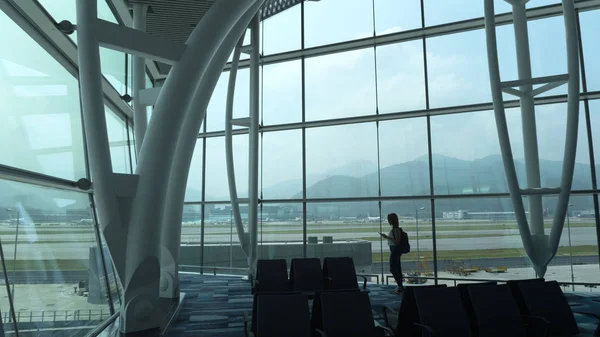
(214, 306)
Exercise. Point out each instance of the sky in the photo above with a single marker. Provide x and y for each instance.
(40, 110)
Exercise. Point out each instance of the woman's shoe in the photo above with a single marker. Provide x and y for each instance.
(398, 289)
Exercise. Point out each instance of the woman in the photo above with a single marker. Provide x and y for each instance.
(393, 239)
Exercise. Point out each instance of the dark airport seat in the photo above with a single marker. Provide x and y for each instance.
(496, 312)
(464, 294)
(316, 319)
(347, 314)
(548, 301)
(441, 312)
(250, 323)
(271, 276)
(281, 315)
(339, 273)
(401, 321)
(306, 275)
(516, 292)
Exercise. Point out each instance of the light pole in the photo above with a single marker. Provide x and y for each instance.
(418, 251)
(570, 246)
(15, 253)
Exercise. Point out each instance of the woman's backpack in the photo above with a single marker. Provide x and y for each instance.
(404, 244)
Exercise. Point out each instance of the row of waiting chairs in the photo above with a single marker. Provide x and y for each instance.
(335, 313)
(306, 275)
(517, 309)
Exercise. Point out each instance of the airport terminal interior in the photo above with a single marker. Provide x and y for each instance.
(227, 168)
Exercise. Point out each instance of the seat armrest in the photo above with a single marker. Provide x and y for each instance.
(387, 330)
(246, 323)
(364, 280)
(387, 308)
(321, 333)
(542, 322)
(424, 327)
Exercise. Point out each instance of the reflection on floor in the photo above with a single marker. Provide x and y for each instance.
(214, 306)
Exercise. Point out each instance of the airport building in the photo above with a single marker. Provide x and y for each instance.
(154, 153)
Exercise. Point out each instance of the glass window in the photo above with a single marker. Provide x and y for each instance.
(551, 134)
(457, 69)
(117, 138)
(40, 117)
(215, 113)
(132, 153)
(341, 161)
(280, 233)
(392, 16)
(400, 77)
(193, 191)
(111, 61)
(282, 93)
(282, 165)
(340, 85)
(479, 238)
(221, 244)
(440, 12)
(337, 21)
(595, 125)
(191, 231)
(466, 154)
(590, 25)
(282, 31)
(347, 229)
(217, 185)
(403, 157)
(52, 234)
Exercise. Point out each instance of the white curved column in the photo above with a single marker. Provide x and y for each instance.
(253, 143)
(172, 217)
(140, 117)
(502, 128)
(235, 206)
(142, 272)
(571, 128)
(94, 120)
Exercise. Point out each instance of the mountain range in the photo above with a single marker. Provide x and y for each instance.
(360, 179)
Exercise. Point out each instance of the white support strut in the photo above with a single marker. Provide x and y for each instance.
(235, 205)
(172, 217)
(540, 247)
(140, 117)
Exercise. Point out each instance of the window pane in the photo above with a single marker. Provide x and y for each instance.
(217, 186)
(341, 161)
(590, 25)
(466, 154)
(282, 31)
(403, 156)
(221, 244)
(132, 153)
(282, 164)
(458, 69)
(280, 232)
(551, 133)
(393, 16)
(215, 113)
(52, 233)
(117, 138)
(191, 231)
(400, 77)
(439, 11)
(193, 191)
(336, 21)
(346, 229)
(112, 62)
(39, 109)
(415, 220)
(282, 93)
(340, 85)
